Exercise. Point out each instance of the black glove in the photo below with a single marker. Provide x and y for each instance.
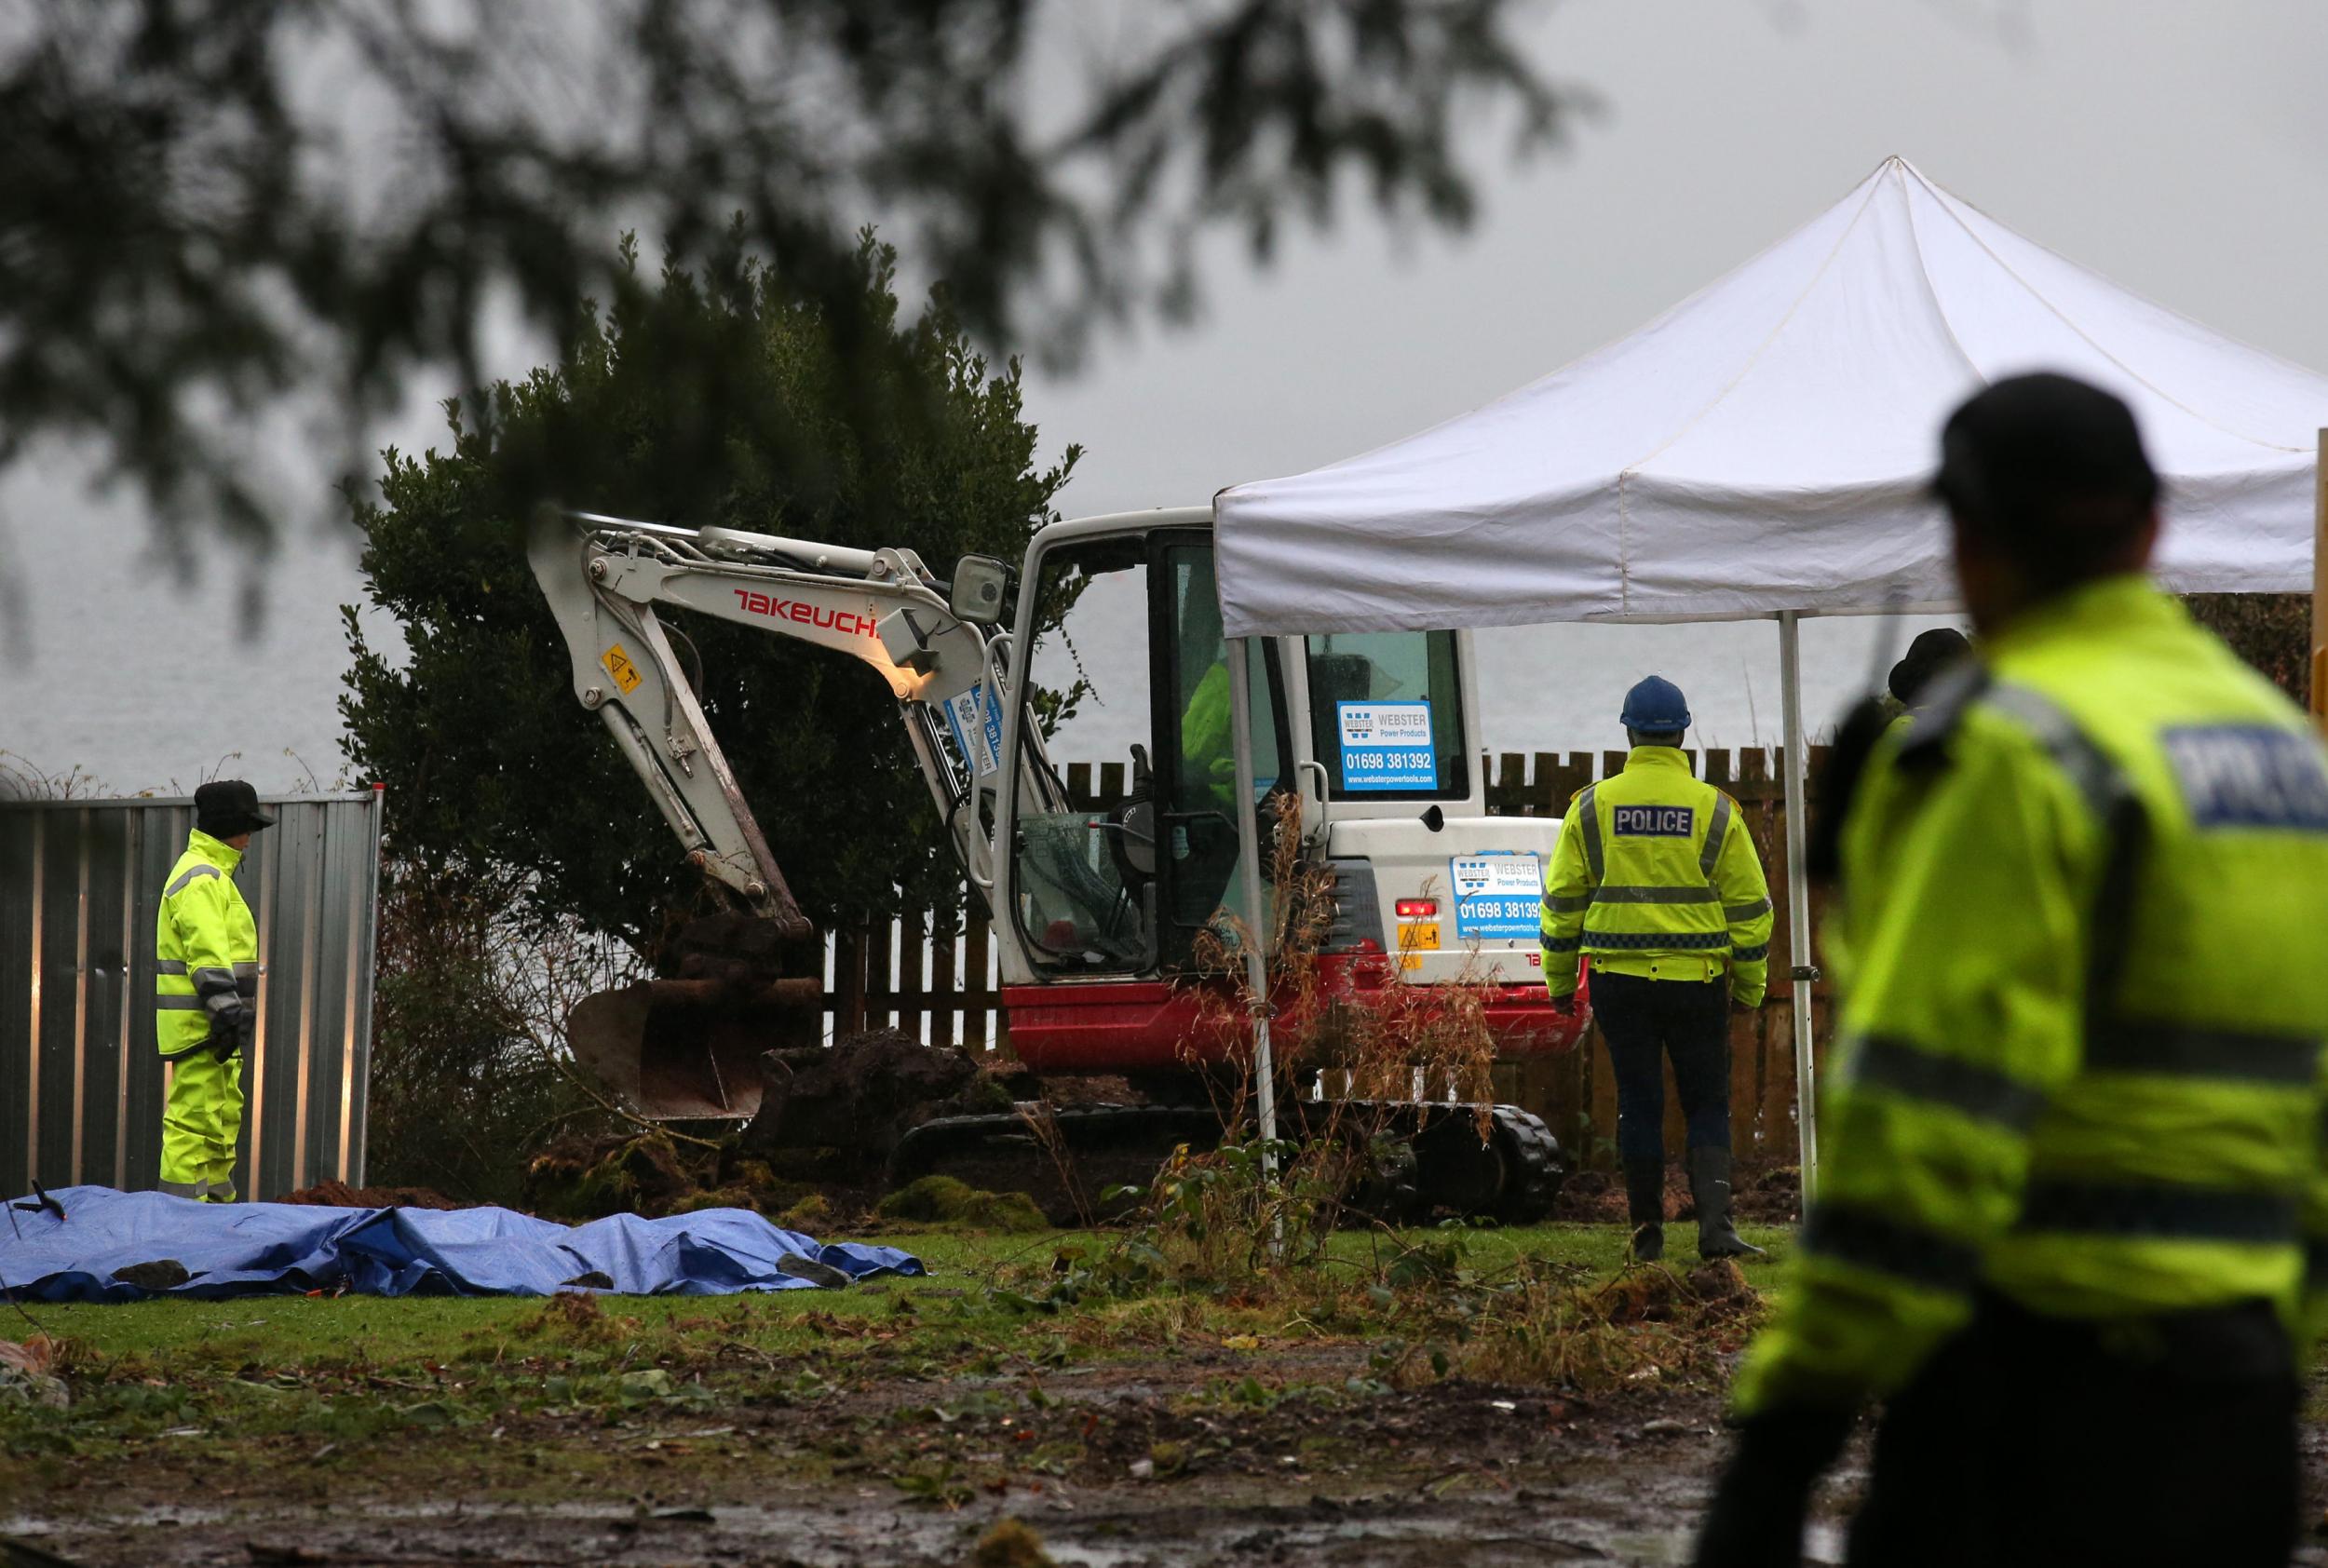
(229, 1027)
(1755, 1520)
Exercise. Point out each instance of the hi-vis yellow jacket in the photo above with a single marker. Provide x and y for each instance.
(1656, 873)
(2083, 903)
(1208, 746)
(206, 946)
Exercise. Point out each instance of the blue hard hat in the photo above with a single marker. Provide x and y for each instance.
(1655, 705)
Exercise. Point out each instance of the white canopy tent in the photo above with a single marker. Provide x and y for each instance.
(1762, 450)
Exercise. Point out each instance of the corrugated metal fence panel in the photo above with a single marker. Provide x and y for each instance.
(81, 1088)
(19, 879)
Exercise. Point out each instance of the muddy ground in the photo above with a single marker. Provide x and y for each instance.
(1212, 1456)
(1190, 1459)
(1432, 1397)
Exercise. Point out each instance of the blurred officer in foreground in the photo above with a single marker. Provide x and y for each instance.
(2071, 1168)
(206, 987)
(1656, 879)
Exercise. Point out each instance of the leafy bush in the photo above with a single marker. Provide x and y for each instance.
(2273, 631)
(467, 1050)
(873, 432)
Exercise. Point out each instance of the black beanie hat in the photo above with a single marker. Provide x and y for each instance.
(224, 807)
(1931, 652)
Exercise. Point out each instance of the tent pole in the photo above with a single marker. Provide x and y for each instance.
(2320, 583)
(1256, 912)
(1799, 894)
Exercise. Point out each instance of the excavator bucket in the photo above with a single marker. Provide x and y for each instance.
(689, 1050)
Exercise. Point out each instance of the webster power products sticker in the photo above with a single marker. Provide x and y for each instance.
(975, 717)
(1386, 746)
(618, 664)
(1498, 896)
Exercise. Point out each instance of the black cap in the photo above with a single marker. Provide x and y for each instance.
(224, 807)
(1931, 652)
(2049, 469)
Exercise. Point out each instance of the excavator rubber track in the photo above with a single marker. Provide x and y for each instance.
(1514, 1177)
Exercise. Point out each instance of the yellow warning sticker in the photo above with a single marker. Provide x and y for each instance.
(618, 664)
(1414, 936)
(1410, 961)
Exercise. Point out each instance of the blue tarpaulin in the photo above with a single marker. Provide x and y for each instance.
(273, 1248)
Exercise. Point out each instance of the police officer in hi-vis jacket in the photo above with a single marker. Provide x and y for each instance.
(2071, 1225)
(1656, 882)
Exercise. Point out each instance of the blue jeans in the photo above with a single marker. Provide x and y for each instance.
(1644, 1021)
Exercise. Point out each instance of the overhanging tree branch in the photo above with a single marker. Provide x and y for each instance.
(216, 213)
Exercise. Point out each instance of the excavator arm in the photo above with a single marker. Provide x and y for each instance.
(687, 1045)
(605, 578)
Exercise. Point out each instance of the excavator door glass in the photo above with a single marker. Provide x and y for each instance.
(1133, 859)
(1082, 879)
(1197, 806)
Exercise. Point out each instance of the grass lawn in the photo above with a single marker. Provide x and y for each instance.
(189, 1338)
(245, 1387)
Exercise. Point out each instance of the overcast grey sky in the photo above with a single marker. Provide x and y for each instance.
(2180, 149)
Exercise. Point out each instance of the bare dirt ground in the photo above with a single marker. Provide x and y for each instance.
(1213, 1457)
(1190, 1459)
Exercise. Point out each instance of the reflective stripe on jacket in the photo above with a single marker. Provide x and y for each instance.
(2080, 1058)
(1652, 864)
(205, 943)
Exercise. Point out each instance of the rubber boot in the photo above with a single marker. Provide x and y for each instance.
(1645, 1203)
(1709, 1185)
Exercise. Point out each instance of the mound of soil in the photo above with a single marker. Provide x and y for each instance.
(863, 1092)
(1710, 1292)
(943, 1200)
(339, 1194)
(817, 1157)
(815, 1154)
(1098, 1089)
(581, 1177)
(584, 1177)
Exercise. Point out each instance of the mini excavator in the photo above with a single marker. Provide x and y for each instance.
(1367, 741)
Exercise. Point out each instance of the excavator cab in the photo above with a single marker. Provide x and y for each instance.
(1100, 902)
(1124, 887)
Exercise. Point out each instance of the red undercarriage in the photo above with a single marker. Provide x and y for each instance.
(1148, 1025)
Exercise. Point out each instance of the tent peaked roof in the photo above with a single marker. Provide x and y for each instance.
(1763, 446)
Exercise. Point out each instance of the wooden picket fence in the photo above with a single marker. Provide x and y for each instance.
(919, 975)
(916, 975)
(934, 978)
